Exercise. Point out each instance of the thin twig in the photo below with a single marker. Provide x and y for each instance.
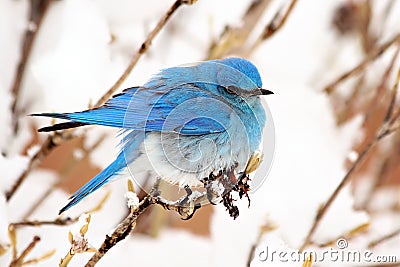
(19, 261)
(275, 24)
(267, 227)
(322, 211)
(51, 143)
(45, 256)
(35, 223)
(232, 38)
(56, 184)
(278, 21)
(121, 232)
(384, 238)
(38, 9)
(375, 53)
(61, 221)
(384, 84)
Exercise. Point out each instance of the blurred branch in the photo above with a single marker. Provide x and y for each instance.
(51, 142)
(37, 11)
(384, 238)
(390, 124)
(308, 261)
(267, 227)
(35, 223)
(61, 221)
(358, 230)
(86, 153)
(45, 256)
(233, 38)
(19, 261)
(384, 84)
(58, 138)
(375, 53)
(276, 23)
(143, 48)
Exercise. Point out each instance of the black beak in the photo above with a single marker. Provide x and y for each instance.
(266, 92)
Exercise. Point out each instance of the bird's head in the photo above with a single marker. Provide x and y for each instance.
(239, 76)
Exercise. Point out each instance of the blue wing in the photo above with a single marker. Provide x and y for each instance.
(186, 109)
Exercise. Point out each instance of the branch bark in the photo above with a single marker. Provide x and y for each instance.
(38, 9)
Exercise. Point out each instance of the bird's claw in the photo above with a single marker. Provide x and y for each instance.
(187, 207)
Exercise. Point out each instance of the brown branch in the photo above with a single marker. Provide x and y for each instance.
(38, 202)
(19, 261)
(384, 238)
(129, 222)
(121, 232)
(388, 127)
(52, 141)
(322, 211)
(267, 227)
(35, 223)
(45, 256)
(143, 48)
(384, 84)
(278, 21)
(275, 24)
(375, 53)
(232, 38)
(38, 9)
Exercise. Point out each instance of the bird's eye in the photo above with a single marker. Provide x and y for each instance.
(231, 89)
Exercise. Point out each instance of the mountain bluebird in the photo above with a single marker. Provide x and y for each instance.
(185, 124)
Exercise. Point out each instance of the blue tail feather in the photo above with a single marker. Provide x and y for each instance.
(130, 151)
(97, 181)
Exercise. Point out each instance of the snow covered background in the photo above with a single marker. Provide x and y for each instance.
(82, 48)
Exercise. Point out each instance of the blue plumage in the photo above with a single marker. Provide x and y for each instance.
(166, 119)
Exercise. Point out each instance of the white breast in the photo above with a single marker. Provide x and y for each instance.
(185, 160)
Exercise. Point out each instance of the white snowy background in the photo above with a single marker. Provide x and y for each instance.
(82, 48)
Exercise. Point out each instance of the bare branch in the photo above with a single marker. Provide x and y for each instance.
(275, 25)
(121, 232)
(45, 256)
(322, 211)
(35, 223)
(375, 53)
(232, 38)
(86, 153)
(129, 222)
(51, 142)
(38, 9)
(278, 21)
(19, 261)
(384, 238)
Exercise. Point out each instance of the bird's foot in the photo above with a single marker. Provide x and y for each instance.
(211, 185)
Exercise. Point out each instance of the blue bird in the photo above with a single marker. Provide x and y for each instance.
(184, 124)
